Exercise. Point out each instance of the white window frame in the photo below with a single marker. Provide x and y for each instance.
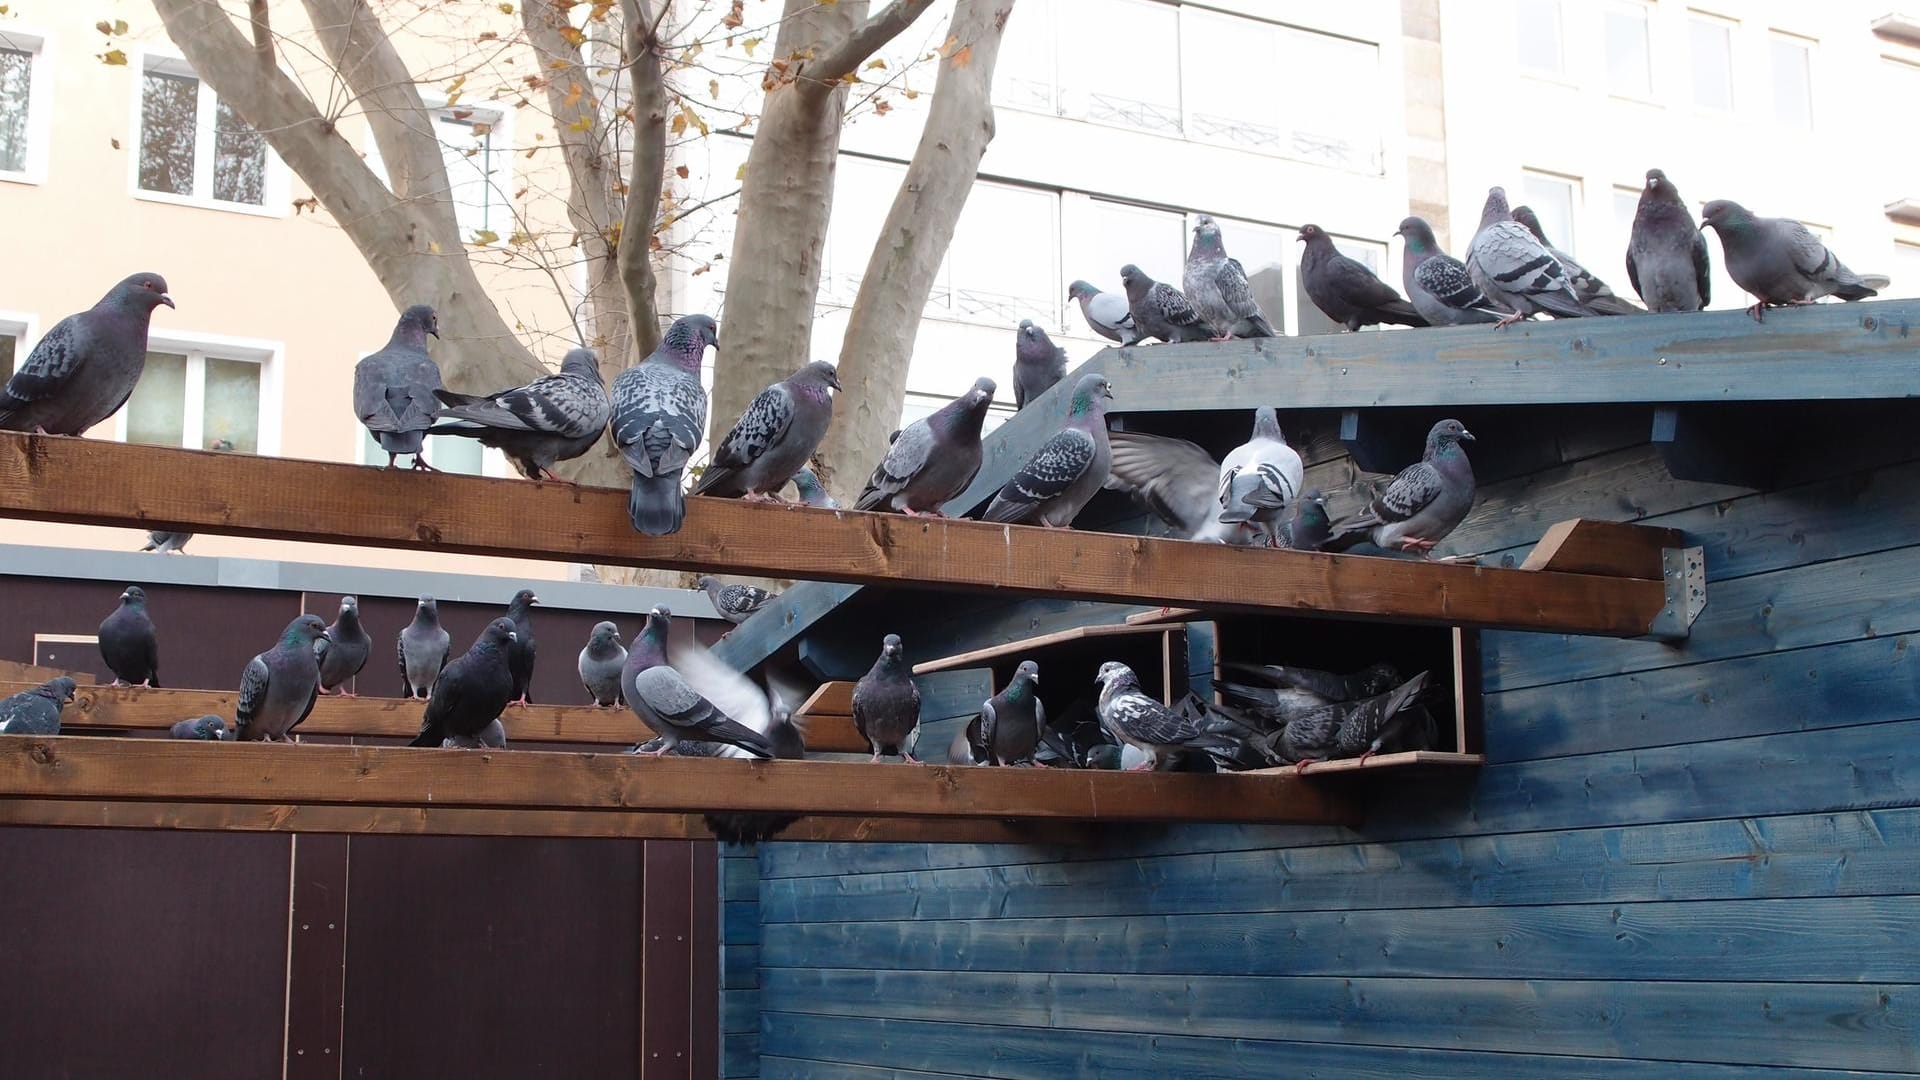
(1576, 203)
(24, 328)
(1557, 73)
(276, 184)
(1809, 46)
(943, 298)
(500, 130)
(1650, 94)
(39, 101)
(198, 347)
(1732, 30)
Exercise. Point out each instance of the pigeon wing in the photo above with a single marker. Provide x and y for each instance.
(253, 690)
(1445, 278)
(1415, 487)
(1173, 477)
(659, 417)
(47, 367)
(1049, 472)
(912, 448)
(763, 425)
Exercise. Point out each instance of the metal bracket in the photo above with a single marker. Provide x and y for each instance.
(1683, 575)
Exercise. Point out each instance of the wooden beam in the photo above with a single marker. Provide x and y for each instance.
(68, 767)
(1014, 650)
(1583, 546)
(13, 671)
(1399, 760)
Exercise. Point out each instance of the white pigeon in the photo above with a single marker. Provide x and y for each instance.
(1260, 479)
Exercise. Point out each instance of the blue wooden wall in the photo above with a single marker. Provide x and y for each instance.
(1680, 862)
(739, 963)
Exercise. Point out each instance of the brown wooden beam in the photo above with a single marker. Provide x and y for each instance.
(90, 481)
(1604, 547)
(30, 675)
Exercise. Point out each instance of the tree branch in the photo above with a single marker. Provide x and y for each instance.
(865, 39)
(262, 31)
(647, 174)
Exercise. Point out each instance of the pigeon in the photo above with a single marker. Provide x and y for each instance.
(1375, 678)
(600, 665)
(812, 491)
(1515, 270)
(520, 652)
(788, 741)
(664, 701)
(36, 711)
(393, 388)
(1424, 503)
(1159, 311)
(491, 737)
(1265, 707)
(1779, 260)
(1260, 478)
(1345, 729)
(344, 651)
(1066, 472)
(1591, 290)
(886, 703)
(167, 543)
(1345, 290)
(473, 690)
(1218, 288)
(128, 643)
(659, 418)
(1037, 363)
(1438, 284)
(1178, 481)
(205, 728)
(554, 418)
(1010, 721)
(1667, 261)
(735, 603)
(1131, 718)
(1310, 528)
(423, 649)
(86, 367)
(279, 686)
(933, 459)
(1107, 314)
(966, 747)
(774, 438)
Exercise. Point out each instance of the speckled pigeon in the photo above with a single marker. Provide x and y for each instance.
(659, 418)
(491, 737)
(393, 388)
(1596, 294)
(1425, 502)
(1778, 260)
(1667, 260)
(423, 649)
(167, 543)
(1159, 310)
(1345, 290)
(1260, 478)
(812, 491)
(1178, 481)
(600, 664)
(473, 690)
(1218, 288)
(667, 704)
(1515, 270)
(36, 711)
(86, 367)
(344, 651)
(1037, 363)
(1067, 471)
(1310, 527)
(1438, 284)
(1010, 721)
(128, 642)
(1376, 678)
(1348, 729)
(207, 728)
(932, 459)
(279, 686)
(521, 651)
(1107, 314)
(1131, 718)
(774, 438)
(552, 419)
(886, 703)
(735, 603)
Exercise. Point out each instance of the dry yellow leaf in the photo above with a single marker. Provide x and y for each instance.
(574, 93)
(114, 58)
(749, 43)
(876, 63)
(582, 124)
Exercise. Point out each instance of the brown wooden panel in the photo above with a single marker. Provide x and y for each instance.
(704, 998)
(666, 959)
(828, 717)
(316, 957)
(33, 675)
(1582, 546)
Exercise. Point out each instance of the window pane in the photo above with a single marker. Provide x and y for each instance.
(1712, 64)
(451, 453)
(157, 412)
(1552, 201)
(986, 284)
(8, 344)
(1023, 75)
(1906, 271)
(1900, 82)
(1628, 70)
(16, 72)
(473, 168)
(167, 104)
(231, 411)
(1220, 51)
(1348, 137)
(1792, 84)
(1537, 30)
(239, 159)
(1104, 236)
(1142, 92)
(1261, 250)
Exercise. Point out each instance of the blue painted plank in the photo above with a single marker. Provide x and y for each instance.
(740, 1010)
(739, 966)
(739, 875)
(740, 1056)
(780, 621)
(772, 1068)
(740, 922)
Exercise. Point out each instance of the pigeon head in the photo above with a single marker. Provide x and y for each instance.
(1315, 238)
(416, 323)
(1025, 678)
(604, 633)
(816, 377)
(1206, 236)
(59, 689)
(1105, 756)
(890, 647)
(1090, 395)
(1113, 673)
(1031, 344)
(1136, 281)
(1266, 425)
(786, 737)
(1447, 435)
(134, 597)
(1081, 290)
(210, 728)
(1496, 207)
(963, 416)
(498, 633)
(1723, 214)
(428, 608)
(304, 631)
(1313, 506)
(687, 339)
(1659, 189)
(658, 621)
(808, 483)
(349, 605)
(1525, 216)
(584, 363)
(140, 294)
(1418, 235)
(521, 601)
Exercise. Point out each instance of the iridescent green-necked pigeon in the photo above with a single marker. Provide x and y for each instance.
(1515, 270)
(886, 703)
(1424, 503)
(1067, 471)
(1438, 284)
(279, 686)
(473, 690)
(1107, 314)
(1159, 310)
(36, 711)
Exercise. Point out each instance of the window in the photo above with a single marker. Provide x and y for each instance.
(24, 112)
(1144, 92)
(1314, 321)
(1906, 270)
(984, 283)
(1900, 81)
(1711, 43)
(476, 149)
(1099, 237)
(1629, 69)
(1792, 81)
(194, 147)
(1626, 204)
(1286, 119)
(1266, 253)
(1537, 30)
(1555, 201)
(863, 192)
(201, 395)
(1023, 76)
(16, 332)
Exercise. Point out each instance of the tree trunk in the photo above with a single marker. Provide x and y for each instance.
(635, 266)
(893, 295)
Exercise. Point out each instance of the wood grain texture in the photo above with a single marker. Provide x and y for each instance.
(29, 675)
(1582, 546)
(1015, 650)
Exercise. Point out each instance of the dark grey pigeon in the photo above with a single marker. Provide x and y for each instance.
(521, 651)
(812, 491)
(279, 686)
(1667, 259)
(1037, 363)
(1107, 314)
(393, 388)
(600, 664)
(423, 649)
(491, 737)
(665, 703)
(552, 419)
(659, 418)
(735, 603)
(86, 367)
(1067, 471)
(1345, 290)
(36, 711)
(1424, 503)
(205, 728)
(344, 651)
(1347, 729)
(1218, 288)
(167, 543)
(1596, 294)
(1515, 270)
(1130, 717)
(1159, 310)
(128, 643)
(1376, 678)
(1010, 721)
(472, 692)
(886, 703)
(1438, 284)
(1310, 528)
(774, 438)
(1778, 260)
(933, 459)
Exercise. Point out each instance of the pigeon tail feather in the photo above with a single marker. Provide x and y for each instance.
(655, 505)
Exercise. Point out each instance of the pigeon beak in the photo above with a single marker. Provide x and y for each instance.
(833, 380)
(1465, 435)
(167, 300)
(1107, 391)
